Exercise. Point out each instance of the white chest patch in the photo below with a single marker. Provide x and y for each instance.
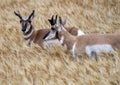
(61, 40)
(50, 43)
(80, 33)
(73, 49)
(98, 49)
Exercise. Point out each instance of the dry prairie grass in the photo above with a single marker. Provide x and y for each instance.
(22, 65)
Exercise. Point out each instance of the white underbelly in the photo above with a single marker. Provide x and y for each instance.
(50, 43)
(106, 48)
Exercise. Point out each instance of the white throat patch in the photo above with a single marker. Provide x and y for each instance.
(27, 36)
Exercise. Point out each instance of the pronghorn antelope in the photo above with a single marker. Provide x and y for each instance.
(30, 34)
(92, 44)
(36, 36)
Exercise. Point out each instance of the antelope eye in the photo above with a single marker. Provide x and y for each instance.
(20, 21)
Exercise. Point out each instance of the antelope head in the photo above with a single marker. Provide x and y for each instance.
(53, 21)
(25, 23)
(56, 26)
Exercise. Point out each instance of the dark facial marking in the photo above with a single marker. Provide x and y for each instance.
(46, 35)
(24, 24)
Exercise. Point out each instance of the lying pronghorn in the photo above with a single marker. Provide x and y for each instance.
(36, 36)
(92, 44)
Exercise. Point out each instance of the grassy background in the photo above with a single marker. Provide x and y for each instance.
(22, 65)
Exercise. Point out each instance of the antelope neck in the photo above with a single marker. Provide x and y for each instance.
(66, 39)
(70, 30)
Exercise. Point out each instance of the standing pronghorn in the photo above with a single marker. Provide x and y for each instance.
(89, 43)
(30, 34)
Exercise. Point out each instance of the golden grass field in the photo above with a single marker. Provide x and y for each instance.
(23, 65)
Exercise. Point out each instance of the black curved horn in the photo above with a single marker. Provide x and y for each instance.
(31, 15)
(18, 14)
(52, 20)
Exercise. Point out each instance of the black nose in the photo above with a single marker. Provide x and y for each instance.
(23, 29)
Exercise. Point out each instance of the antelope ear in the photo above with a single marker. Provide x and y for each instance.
(31, 16)
(55, 20)
(64, 21)
(60, 20)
